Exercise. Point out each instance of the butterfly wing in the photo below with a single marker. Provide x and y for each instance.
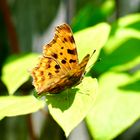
(59, 67)
(46, 74)
(63, 48)
(79, 73)
(84, 62)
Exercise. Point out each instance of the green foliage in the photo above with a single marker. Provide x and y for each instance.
(117, 104)
(70, 107)
(13, 105)
(110, 106)
(122, 47)
(91, 39)
(64, 106)
(15, 72)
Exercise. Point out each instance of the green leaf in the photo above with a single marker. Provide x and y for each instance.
(129, 21)
(15, 72)
(13, 105)
(90, 39)
(117, 105)
(122, 48)
(71, 106)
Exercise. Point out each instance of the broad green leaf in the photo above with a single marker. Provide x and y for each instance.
(117, 107)
(90, 39)
(15, 72)
(121, 51)
(15, 105)
(71, 106)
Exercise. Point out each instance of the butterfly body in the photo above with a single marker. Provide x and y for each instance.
(58, 68)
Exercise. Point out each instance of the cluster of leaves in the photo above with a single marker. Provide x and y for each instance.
(68, 108)
(117, 101)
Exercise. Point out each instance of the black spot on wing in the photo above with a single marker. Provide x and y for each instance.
(57, 67)
(71, 51)
(72, 61)
(71, 39)
(65, 39)
(55, 55)
(48, 66)
(41, 72)
(63, 61)
(53, 41)
(56, 71)
(50, 75)
(49, 60)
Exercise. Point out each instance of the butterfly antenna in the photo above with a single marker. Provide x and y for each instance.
(94, 62)
(92, 53)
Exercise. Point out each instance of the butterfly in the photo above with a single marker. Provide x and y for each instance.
(59, 68)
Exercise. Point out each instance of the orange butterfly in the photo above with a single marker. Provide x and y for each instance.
(59, 68)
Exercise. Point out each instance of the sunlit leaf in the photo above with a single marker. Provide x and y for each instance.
(15, 72)
(117, 106)
(71, 106)
(13, 105)
(90, 39)
(121, 51)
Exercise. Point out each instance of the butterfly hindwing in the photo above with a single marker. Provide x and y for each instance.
(46, 73)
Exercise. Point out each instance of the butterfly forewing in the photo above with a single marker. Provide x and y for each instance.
(63, 48)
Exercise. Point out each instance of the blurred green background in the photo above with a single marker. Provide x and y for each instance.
(28, 24)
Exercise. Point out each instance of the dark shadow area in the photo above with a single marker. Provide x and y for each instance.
(132, 133)
(51, 127)
(134, 86)
(3, 89)
(15, 57)
(25, 89)
(19, 128)
(62, 100)
(135, 25)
